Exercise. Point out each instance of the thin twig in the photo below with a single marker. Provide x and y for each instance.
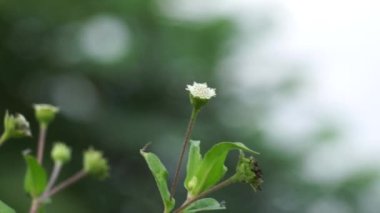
(69, 181)
(41, 143)
(34, 206)
(189, 129)
(53, 178)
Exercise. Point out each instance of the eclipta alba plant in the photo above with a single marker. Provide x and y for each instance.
(204, 173)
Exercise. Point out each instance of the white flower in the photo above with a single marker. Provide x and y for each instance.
(201, 91)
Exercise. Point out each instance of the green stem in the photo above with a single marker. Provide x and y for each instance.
(35, 205)
(190, 126)
(53, 178)
(215, 188)
(66, 183)
(52, 191)
(3, 138)
(41, 143)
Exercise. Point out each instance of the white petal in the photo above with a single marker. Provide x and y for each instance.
(201, 90)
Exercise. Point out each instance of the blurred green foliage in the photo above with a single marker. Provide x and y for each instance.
(119, 104)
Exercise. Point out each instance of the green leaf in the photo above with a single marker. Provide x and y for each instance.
(193, 163)
(160, 175)
(41, 208)
(4, 208)
(205, 204)
(212, 168)
(35, 178)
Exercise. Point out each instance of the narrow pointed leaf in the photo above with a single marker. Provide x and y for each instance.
(4, 208)
(205, 204)
(212, 168)
(160, 175)
(35, 178)
(193, 163)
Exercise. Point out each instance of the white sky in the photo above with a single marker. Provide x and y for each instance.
(340, 42)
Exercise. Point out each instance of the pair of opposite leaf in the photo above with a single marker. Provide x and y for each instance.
(204, 173)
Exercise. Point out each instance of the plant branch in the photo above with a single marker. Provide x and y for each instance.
(189, 130)
(53, 178)
(3, 138)
(215, 188)
(34, 206)
(68, 182)
(50, 192)
(41, 143)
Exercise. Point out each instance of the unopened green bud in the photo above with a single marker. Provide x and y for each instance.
(95, 164)
(45, 113)
(15, 126)
(192, 183)
(200, 94)
(248, 171)
(61, 153)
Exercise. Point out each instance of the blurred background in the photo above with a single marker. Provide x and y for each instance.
(296, 81)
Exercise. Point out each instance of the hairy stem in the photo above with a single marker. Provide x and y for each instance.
(68, 182)
(215, 188)
(190, 126)
(41, 143)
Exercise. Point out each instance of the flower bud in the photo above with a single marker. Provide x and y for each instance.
(15, 126)
(192, 183)
(61, 153)
(95, 164)
(248, 171)
(200, 94)
(45, 113)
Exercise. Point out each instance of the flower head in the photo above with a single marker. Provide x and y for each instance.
(15, 126)
(200, 94)
(45, 113)
(248, 171)
(61, 153)
(201, 91)
(95, 164)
